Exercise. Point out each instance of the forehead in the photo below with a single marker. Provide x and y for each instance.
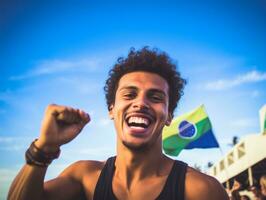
(143, 80)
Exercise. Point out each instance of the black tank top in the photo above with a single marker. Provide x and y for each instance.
(172, 190)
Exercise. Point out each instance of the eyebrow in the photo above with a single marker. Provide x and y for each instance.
(150, 90)
(128, 88)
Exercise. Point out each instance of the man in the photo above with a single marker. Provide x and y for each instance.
(142, 92)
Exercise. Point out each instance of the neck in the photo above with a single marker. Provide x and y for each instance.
(133, 166)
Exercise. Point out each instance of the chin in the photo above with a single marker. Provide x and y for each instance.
(137, 147)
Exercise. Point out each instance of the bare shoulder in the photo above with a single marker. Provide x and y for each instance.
(199, 186)
(77, 180)
(83, 167)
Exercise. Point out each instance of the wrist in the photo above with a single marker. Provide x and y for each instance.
(50, 149)
(37, 157)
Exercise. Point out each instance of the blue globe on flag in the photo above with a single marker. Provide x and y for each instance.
(187, 130)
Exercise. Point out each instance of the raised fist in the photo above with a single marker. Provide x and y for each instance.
(60, 125)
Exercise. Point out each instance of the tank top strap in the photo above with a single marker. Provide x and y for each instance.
(103, 189)
(174, 188)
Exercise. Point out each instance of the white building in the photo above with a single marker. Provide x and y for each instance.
(246, 161)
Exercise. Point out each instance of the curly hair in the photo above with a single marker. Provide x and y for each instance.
(147, 60)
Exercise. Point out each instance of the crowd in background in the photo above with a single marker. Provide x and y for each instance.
(257, 192)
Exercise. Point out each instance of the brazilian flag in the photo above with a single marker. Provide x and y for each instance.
(191, 130)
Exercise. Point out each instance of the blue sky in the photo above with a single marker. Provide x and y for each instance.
(61, 51)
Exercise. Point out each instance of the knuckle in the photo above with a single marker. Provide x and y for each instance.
(52, 105)
(50, 108)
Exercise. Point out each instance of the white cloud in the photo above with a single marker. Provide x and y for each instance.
(18, 147)
(14, 143)
(7, 139)
(48, 67)
(250, 77)
(81, 85)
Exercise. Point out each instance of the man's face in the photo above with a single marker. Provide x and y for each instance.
(140, 110)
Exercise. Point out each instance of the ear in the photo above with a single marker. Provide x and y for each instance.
(111, 114)
(169, 119)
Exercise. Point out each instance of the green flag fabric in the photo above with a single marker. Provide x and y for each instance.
(188, 131)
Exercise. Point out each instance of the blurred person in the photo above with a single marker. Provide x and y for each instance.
(256, 192)
(235, 195)
(244, 197)
(263, 186)
(234, 192)
(142, 91)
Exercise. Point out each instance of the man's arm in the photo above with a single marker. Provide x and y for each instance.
(28, 181)
(75, 182)
(200, 186)
(29, 184)
(68, 185)
(60, 125)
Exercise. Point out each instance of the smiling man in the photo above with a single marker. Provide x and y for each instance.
(142, 91)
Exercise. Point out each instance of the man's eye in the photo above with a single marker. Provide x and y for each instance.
(157, 98)
(129, 95)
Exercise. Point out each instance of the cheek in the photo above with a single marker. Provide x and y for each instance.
(163, 113)
(119, 110)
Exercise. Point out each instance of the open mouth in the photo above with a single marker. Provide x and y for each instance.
(138, 122)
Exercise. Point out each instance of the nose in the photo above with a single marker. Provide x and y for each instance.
(141, 103)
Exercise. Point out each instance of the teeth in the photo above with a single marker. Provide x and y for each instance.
(138, 120)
